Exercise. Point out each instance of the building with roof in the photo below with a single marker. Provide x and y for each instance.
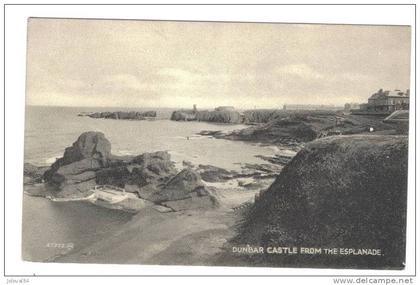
(384, 102)
(224, 108)
(387, 101)
(311, 107)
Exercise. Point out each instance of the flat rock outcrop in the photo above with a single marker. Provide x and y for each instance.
(338, 192)
(194, 203)
(120, 115)
(284, 130)
(212, 173)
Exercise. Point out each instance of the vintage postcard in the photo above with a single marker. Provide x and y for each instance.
(216, 143)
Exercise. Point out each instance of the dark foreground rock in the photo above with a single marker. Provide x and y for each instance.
(339, 192)
(152, 177)
(75, 172)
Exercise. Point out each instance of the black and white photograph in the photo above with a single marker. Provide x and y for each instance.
(216, 143)
(206, 143)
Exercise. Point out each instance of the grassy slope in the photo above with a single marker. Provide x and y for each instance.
(345, 191)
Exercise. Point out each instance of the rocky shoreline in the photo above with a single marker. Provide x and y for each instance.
(149, 179)
(324, 175)
(295, 129)
(120, 115)
(327, 179)
(89, 163)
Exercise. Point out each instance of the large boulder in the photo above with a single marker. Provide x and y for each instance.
(152, 168)
(88, 145)
(143, 174)
(179, 187)
(185, 191)
(338, 192)
(90, 152)
(92, 146)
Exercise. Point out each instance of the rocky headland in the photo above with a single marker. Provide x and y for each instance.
(293, 129)
(120, 115)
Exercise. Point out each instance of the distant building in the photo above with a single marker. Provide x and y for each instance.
(310, 107)
(224, 108)
(388, 101)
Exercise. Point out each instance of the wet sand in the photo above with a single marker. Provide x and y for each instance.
(178, 238)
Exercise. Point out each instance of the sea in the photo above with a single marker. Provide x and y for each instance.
(50, 228)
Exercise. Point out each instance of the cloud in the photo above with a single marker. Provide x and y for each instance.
(162, 64)
(300, 70)
(120, 82)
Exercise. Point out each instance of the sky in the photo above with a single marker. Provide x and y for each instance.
(114, 63)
